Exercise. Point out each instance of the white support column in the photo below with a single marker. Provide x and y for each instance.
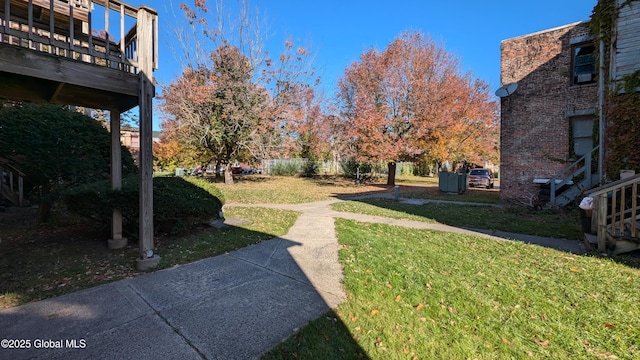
(116, 241)
(147, 19)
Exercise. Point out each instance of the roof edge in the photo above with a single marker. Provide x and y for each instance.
(547, 30)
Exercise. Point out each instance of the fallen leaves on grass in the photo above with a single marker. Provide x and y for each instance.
(544, 343)
(504, 340)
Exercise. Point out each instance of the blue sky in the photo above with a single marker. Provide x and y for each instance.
(339, 31)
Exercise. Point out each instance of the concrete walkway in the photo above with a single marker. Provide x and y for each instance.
(233, 306)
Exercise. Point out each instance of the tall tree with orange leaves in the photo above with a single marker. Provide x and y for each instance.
(234, 102)
(410, 103)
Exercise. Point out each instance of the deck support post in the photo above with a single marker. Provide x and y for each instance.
(116, 241)
(146, 40)
(602, 223)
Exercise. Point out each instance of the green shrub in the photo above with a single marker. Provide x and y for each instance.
(286, 169)
(178, 203)
(407, 169)
(423, 169)
(56, 149)
(310, 168)
(350, 168)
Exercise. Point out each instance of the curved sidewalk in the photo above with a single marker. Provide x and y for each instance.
(234, 306)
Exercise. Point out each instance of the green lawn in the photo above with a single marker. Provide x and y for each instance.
(411, 293)
(420, 294)
(560, 224)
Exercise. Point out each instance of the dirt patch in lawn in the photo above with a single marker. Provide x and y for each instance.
(39, 261)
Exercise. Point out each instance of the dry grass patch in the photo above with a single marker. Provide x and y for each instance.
(256, 189)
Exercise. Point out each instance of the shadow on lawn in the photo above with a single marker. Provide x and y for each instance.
(237, 294)
(239, 178)
(324, 338)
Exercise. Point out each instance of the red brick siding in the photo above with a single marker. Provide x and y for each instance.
(534, 128)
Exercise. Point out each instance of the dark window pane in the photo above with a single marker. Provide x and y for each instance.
(584, 69)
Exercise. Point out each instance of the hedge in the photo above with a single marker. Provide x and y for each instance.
(178, 203)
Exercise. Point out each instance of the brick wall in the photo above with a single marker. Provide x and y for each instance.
(535, 131)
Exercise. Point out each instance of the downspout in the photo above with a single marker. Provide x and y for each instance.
(601, 118)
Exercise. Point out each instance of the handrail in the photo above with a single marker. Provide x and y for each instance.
(615, 184)
(69, 30)
(568, 174)
(12, 168)
(7, 185)
(619, 209)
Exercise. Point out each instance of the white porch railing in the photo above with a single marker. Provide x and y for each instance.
(12, 184)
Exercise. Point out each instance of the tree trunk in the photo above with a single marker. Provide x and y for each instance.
(217, 170)
(228, 177)
(44, 210)
(391, 177)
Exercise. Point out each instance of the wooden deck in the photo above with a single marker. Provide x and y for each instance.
(63, 56)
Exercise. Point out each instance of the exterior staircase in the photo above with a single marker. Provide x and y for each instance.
(570, 184)
(12, 185)
(616, 215)
(615, 218)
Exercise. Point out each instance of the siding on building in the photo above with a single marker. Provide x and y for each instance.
(626, 57)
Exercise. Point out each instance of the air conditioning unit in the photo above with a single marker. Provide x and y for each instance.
(584, 78)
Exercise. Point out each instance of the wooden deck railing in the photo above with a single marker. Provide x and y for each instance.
(101, 32)
(11, 184)
(618, 214)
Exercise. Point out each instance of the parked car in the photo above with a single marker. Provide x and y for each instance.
(237, 170)
(481, 177)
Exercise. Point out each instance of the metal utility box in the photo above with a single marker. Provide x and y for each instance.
(451, 182)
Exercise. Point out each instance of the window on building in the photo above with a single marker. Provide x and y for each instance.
(584, 65)
(582, 128)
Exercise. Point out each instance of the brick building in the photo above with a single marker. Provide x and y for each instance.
(549, 121)
(130, 137)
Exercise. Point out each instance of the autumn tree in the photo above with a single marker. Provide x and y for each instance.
(410, 103)
(232, 101)
(218, 109)
(169, 153)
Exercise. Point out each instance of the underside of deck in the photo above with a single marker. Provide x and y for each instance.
(40, 77)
